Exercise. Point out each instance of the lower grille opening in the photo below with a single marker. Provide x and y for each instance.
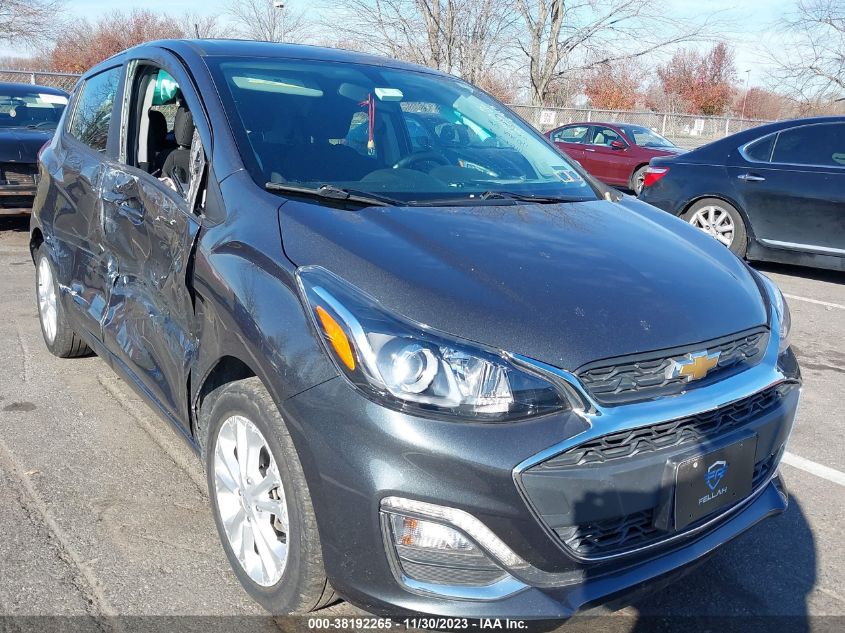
(451, 575)
(632, 531)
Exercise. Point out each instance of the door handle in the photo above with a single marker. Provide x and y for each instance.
(589, 149)
(750, 178)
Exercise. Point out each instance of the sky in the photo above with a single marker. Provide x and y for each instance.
(746, 24)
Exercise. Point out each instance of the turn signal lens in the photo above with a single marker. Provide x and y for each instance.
(653, 174)
(412, 532)
(337, 338)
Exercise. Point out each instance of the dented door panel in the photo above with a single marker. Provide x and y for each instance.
(73, 232)
(149, 324)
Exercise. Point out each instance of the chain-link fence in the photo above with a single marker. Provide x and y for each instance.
(685, 130)
(65, 81)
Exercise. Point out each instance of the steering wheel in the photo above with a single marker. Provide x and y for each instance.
(421, 157)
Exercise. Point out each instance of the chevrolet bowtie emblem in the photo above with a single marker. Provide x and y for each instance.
(694, 366)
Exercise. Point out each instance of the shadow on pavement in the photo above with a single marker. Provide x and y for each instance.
(816, 274)
(757, 583)
(16, 223)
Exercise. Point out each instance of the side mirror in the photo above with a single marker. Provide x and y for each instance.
(618, 145)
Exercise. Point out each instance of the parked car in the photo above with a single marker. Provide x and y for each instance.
(774, 192)
(615, 153)
(422, 386)
(28, 116)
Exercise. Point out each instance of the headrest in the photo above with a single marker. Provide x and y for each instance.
(158, 127)
(22, 111)
(183, 127)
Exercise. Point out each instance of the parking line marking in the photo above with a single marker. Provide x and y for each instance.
(825, 472)
(827, 304)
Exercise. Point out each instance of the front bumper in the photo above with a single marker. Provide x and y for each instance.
(356, 454)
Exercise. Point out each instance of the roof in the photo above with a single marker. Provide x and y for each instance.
(19, 89)
(252, 48)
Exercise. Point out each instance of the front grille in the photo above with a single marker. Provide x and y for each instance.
(666, 434)
(17, 174)
(647, 376)
(621, 534)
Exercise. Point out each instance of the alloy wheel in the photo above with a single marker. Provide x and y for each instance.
(638, 183)
(716, 222)
(251, 500)
(47, 308)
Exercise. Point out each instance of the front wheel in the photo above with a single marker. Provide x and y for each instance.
(260, 500)
(720, 220)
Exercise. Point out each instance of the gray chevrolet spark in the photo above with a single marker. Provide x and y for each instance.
(429, 364)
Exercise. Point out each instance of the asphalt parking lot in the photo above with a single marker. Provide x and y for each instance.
(104, 509)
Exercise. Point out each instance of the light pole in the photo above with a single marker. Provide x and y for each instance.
(280, 6)
(745, 96)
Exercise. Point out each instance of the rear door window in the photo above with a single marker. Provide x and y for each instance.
(761, 149)
(820, 145)
(92, 112)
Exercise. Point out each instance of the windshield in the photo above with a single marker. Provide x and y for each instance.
(31, 110)
(645, 137)
(411, 136)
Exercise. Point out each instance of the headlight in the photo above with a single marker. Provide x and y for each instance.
(411, 367)
(782, 310)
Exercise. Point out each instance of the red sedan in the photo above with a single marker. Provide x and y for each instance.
(615, 153)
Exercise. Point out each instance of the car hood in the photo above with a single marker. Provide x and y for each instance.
(564, 284)
(21, 145)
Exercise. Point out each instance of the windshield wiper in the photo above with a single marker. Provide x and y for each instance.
(526, 197)
(330, 192)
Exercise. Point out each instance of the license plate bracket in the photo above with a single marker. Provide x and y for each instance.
(712, 481)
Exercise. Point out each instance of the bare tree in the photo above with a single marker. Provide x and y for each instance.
(463, 37)
(810, 52)
(28, 22)
(203, 26)
(561, 37)
(267, 20)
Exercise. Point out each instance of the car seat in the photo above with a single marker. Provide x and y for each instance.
(177, 164)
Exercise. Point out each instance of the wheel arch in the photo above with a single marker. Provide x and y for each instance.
(36, 239)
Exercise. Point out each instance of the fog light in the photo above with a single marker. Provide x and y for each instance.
(412, 532)
(437, 555)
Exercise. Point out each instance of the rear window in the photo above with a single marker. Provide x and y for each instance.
(645, 137)
(92, 112)
(821, 145)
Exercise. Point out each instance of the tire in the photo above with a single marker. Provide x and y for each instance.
(59, 337)
(637, 178)
(302, 585)
(707, 215)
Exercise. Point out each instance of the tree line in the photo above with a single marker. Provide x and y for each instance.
(615, 54)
